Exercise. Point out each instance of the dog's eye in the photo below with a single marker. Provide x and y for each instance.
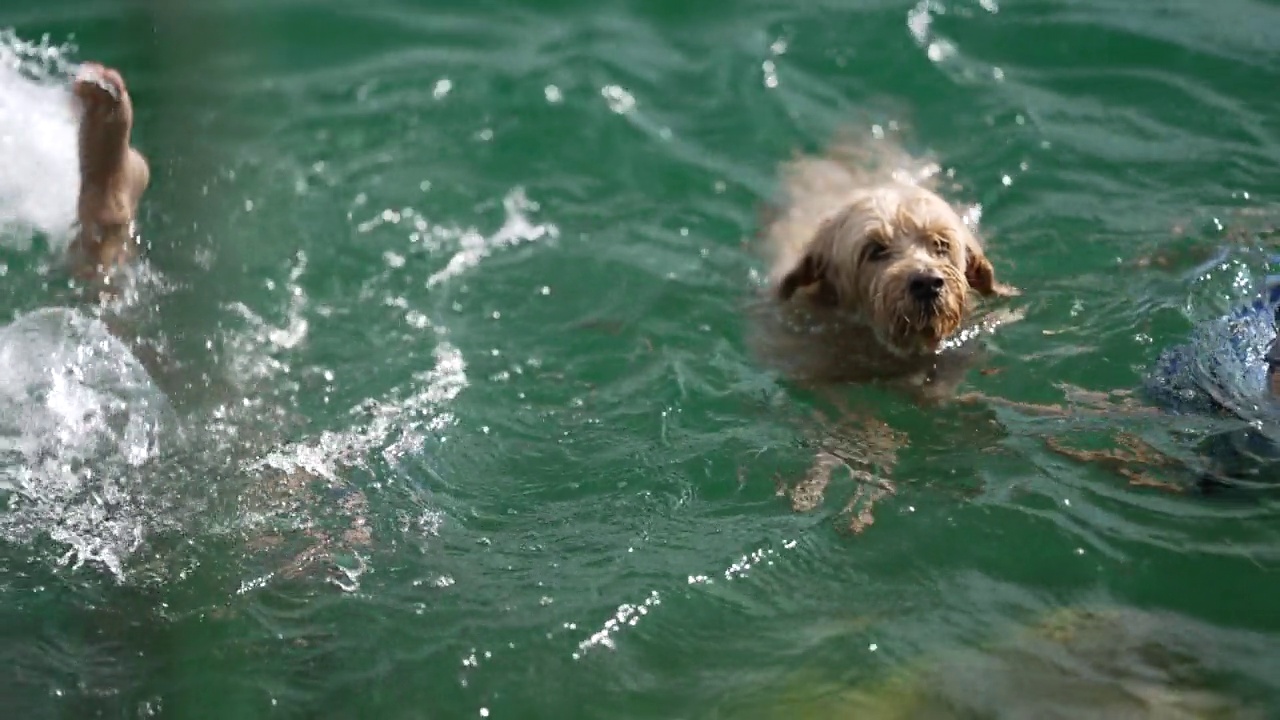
(876, 252)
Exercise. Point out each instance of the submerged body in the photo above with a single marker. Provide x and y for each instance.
(1227, 368)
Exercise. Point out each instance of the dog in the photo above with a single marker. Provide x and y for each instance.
(113, 177)
(874, 272)
(872, 277)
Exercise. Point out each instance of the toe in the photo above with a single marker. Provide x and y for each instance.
(99, 83)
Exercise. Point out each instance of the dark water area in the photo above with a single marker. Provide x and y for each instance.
(458, 416)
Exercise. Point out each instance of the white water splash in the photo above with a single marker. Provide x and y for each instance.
(941, 50)
(254, 354)
(78, 417)
(627, 615)
(516, 229)
(39, 174)
(395, 426)
(920, 25)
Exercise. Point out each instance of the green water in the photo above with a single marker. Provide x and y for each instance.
(519, 229)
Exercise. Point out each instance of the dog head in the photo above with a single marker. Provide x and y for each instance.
(902, 259)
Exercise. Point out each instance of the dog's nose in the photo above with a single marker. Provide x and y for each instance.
(926, 286)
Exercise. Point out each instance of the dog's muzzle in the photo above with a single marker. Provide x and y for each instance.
(925, 288)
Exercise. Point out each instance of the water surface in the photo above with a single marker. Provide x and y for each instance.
(455, 416)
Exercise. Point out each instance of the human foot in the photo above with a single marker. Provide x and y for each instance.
(113, 175)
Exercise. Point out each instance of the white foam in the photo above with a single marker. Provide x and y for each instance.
(78, 416)
(516, 229)
(39, 174)
(395, 426)
(254, 351)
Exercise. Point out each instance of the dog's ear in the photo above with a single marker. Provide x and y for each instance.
(806, 272)
(812, 268)
(981, 276)
(810, 271)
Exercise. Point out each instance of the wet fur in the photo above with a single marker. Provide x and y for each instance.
(850, 232)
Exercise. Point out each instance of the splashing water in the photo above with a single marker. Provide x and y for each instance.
(40, 174)
(78, 417)
(396, 425)
(476, 247)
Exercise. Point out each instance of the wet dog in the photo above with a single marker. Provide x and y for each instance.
(872, 277)
(875, 271)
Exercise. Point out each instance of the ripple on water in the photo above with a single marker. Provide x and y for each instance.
(593, 395)
(515, 230)
(1121, 474)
